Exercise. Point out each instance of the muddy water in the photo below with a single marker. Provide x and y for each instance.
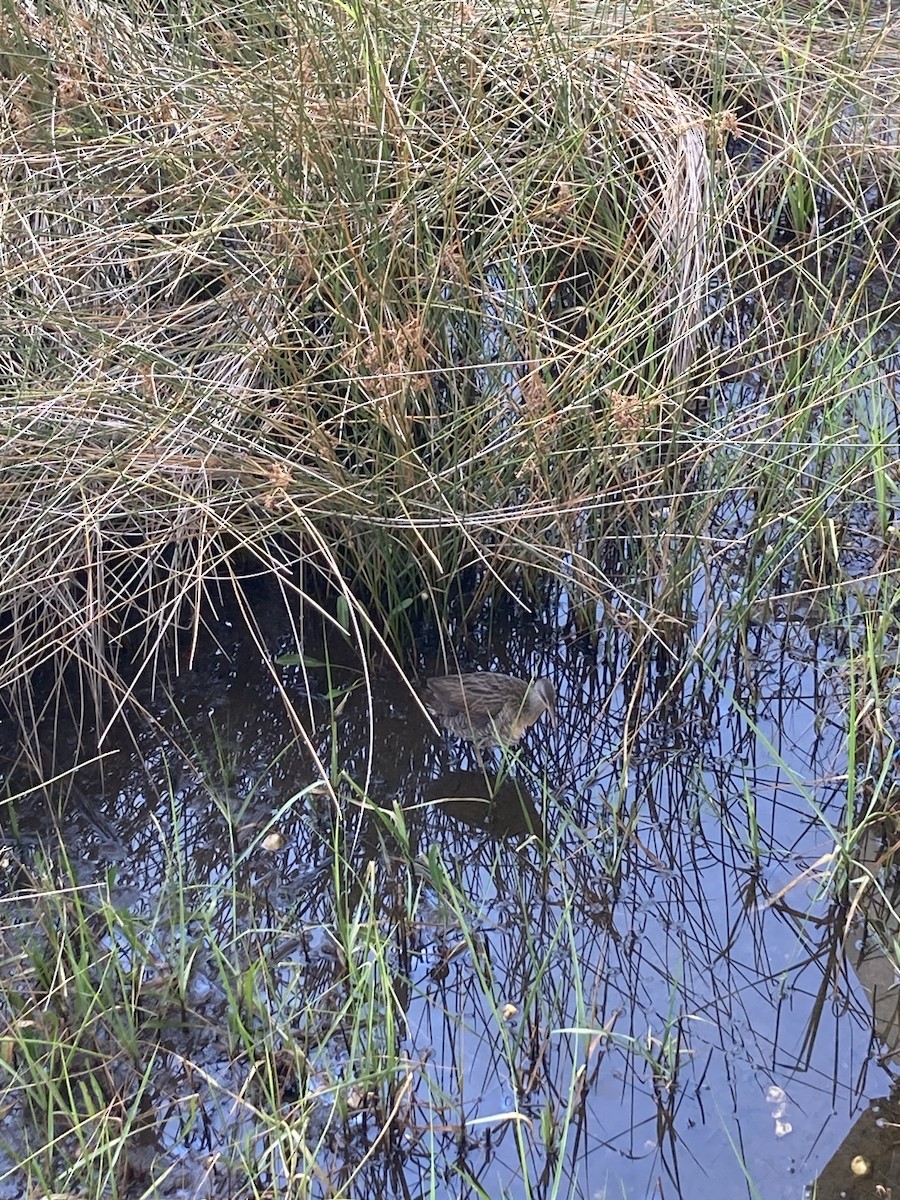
(652, 873)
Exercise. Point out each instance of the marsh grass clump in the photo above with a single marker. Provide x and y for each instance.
(128, 1024)
(391, 294)
(81, 993)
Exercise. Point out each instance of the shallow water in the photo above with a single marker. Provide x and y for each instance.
(665, 839)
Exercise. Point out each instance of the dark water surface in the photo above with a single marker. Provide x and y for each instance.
(673, 894)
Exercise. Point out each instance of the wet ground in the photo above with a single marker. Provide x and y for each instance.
(646, 938)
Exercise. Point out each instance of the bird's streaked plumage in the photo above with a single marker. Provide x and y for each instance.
(488, 708)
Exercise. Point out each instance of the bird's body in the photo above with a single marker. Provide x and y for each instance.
(488, 708)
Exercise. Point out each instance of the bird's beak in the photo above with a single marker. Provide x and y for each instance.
(553, 720)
